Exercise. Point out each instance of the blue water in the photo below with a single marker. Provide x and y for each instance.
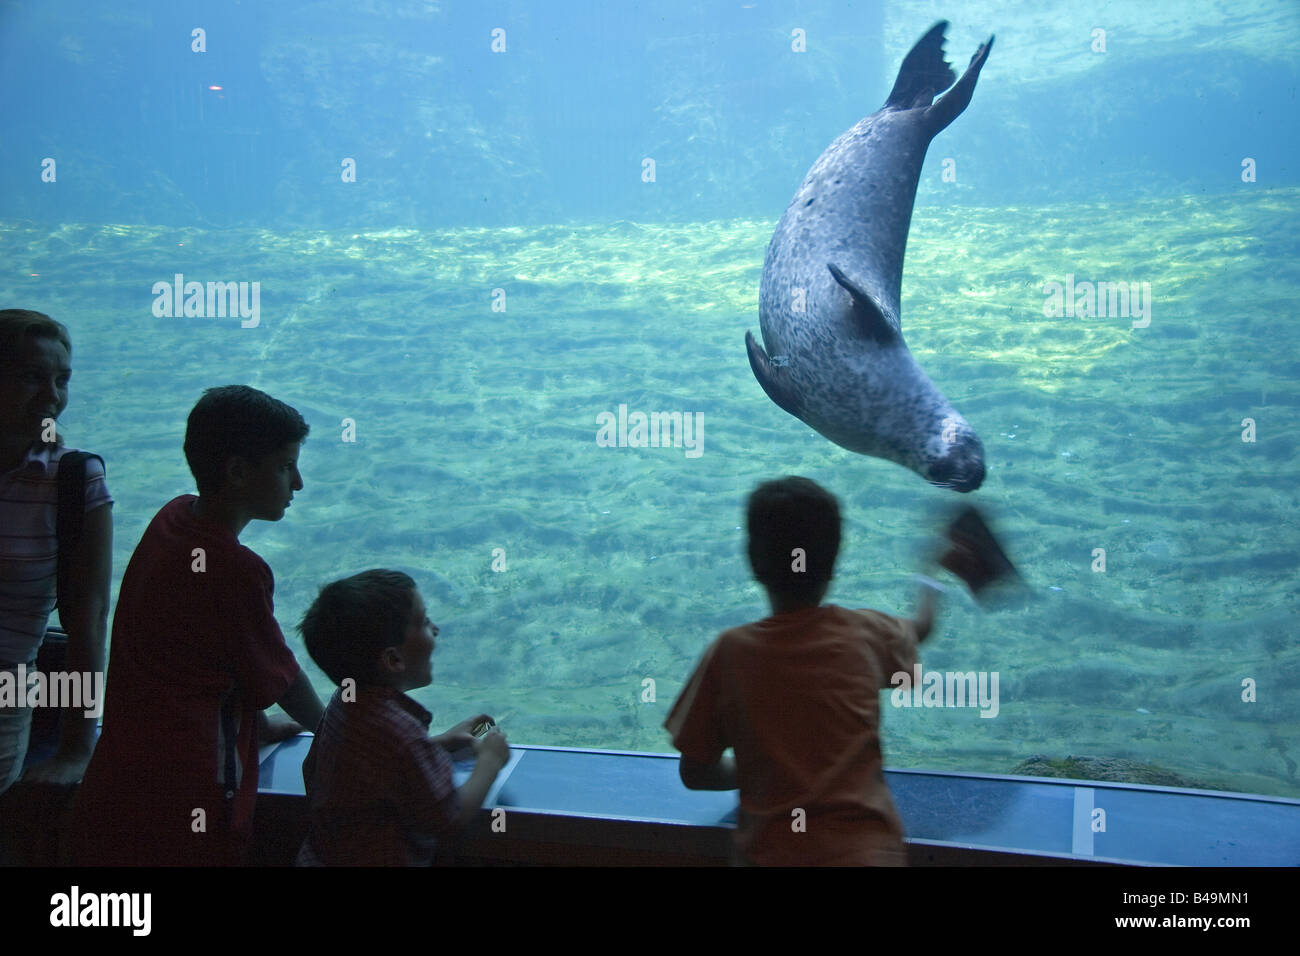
(523, 171)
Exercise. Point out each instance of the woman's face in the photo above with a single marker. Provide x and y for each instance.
(33, 387)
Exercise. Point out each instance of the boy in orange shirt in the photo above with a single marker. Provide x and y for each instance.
(796, 695)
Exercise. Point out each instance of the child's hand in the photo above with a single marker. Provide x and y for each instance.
(492, 746)
(272, 728)
(461, 736)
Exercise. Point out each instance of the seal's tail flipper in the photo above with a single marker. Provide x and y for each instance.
(949, 106)
(773, 377)
(924, 73)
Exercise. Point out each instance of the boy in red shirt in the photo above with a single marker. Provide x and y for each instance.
(797, 697)
(197, 654)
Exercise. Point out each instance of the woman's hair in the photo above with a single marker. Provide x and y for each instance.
(15, 324)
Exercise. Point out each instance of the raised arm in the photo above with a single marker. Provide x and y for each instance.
(926, 603)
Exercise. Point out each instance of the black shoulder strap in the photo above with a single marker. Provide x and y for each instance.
(72, 506)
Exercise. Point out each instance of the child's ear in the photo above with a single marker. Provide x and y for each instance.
(236, 472)
(390, 661)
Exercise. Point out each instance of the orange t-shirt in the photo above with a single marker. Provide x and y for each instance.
(796, 695)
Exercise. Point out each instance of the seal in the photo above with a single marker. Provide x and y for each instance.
(833, 353)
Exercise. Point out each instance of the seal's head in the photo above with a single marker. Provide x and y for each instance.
(955, 456)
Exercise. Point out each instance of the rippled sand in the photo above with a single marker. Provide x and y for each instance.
(476, 431)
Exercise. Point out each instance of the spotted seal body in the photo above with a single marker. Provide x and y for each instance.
(833, 353)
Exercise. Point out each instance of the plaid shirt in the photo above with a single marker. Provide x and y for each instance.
(378, 788)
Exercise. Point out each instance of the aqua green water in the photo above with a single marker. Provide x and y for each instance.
(476, 431)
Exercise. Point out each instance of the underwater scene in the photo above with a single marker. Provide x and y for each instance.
(475, 244)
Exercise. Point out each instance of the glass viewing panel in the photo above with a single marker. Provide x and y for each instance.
(467, 234)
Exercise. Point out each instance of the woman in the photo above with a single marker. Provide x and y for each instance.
(35, 365)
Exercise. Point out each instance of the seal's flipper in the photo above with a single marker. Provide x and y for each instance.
(774, 378)
(949, 106)
(871, 318)
(924, 73)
